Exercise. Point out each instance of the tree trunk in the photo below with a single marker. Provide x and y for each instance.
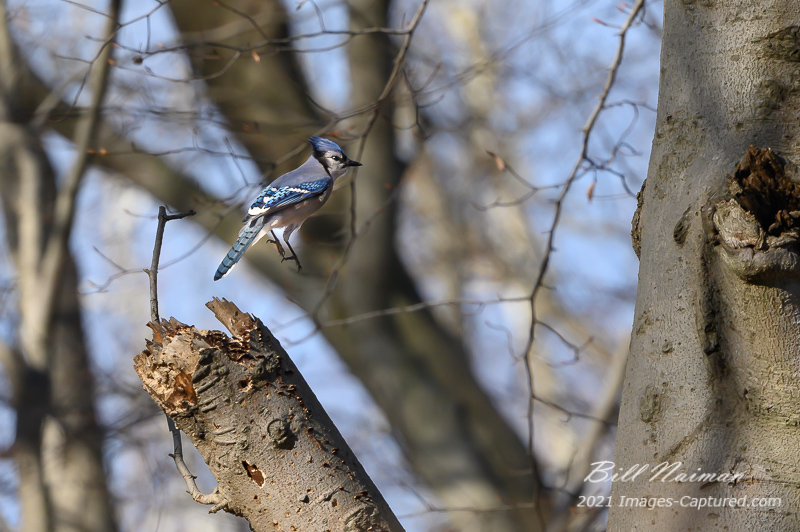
(58, 446)
(72, 439)
(711, 382)
(278, 459)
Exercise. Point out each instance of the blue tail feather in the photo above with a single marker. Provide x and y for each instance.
(246, 238)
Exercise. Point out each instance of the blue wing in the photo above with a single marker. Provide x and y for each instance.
(276, 198)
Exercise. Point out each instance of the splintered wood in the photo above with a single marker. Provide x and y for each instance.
(278, 459)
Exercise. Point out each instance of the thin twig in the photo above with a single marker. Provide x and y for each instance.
(559, 203)
(152, 273)
(385, 93)
(216, 499)
(424, 305)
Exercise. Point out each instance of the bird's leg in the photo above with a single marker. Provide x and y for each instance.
(274, 240)
(294, 255)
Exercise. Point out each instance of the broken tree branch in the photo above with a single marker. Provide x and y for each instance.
(278, 459)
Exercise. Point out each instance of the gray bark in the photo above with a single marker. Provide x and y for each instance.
(711, 380)
(277, 457)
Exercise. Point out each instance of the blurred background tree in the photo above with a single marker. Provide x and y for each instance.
(412, 319)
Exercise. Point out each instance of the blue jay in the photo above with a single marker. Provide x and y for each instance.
(289, 200)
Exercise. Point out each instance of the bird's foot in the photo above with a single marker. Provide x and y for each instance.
(274, 240)
(293, 257)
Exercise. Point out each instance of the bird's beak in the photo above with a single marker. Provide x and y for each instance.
(350, 162)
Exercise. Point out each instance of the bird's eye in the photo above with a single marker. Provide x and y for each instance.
(336, 158)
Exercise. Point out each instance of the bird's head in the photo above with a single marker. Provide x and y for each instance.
(331, 156)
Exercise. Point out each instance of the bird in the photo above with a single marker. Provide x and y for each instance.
(289, 200)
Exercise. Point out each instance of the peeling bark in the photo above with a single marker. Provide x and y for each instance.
(277, 457)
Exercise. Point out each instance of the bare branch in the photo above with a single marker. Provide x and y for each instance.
(604, 408)
(152, 273)
(539, 283)
(387, 90)
(52, 258)
(215, 498)
(480, 303)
